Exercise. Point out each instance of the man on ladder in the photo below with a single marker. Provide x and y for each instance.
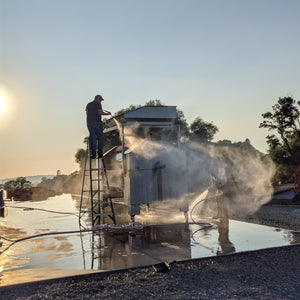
(94, 112)
(97, 173)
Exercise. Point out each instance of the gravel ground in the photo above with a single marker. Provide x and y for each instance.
(263, 274)
(275, 215)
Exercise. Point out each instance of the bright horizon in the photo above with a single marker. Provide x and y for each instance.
(224, 61)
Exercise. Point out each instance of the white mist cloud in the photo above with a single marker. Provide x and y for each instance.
(241, 174)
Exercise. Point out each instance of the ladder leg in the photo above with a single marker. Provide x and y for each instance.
(83, 181)
(97, 174)
(110, 200)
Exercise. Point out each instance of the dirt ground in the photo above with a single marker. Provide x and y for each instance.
(264, 274)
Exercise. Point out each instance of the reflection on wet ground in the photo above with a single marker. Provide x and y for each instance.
(116, 249)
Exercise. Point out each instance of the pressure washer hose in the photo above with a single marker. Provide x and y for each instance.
(110, 228)
(199, 202)
(42, 209)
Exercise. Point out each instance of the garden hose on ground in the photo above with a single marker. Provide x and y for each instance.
(134, 226)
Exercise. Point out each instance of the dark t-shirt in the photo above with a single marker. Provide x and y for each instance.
(92, 111)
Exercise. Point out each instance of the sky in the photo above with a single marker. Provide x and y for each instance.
(226, 61)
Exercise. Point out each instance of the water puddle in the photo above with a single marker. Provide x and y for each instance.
(48, 256)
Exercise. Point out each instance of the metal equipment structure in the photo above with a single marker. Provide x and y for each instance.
(139, 178)
(98, 192)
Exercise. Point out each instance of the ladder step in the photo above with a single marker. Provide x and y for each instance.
(99, 158)
(95, 169)
(94, 192)
(103, 214)
(97, 179)
(99, 191)
(101, 202)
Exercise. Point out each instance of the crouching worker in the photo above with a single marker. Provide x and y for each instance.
(3, 210)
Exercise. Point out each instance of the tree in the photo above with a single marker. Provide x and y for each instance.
(285, 122)
(10, 185)
(19, 183)
(182, 122)
(284, 144)
(80, 156)
(23, 183)
(155, 102)
(204, 131)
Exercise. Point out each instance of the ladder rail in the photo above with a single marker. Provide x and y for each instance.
(83, 183)
(99, 186)
(108, 188)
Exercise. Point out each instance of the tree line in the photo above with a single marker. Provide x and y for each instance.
(283, 144)
(283, 122)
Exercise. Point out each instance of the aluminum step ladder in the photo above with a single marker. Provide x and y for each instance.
(98, 192)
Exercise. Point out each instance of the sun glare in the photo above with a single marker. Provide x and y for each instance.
(2, 103)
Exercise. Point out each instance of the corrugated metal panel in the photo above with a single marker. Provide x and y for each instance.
(152, 112)
(151, 124)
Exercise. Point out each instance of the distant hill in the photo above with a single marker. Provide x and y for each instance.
(35, 180)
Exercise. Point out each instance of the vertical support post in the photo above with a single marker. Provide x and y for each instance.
(178, 135)
(91, 189)
(98, 189)
(123, 153)
(83, 178)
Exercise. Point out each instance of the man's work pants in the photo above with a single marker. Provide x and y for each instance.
(96, 135)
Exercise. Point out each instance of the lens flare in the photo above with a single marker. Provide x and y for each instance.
(2, 103)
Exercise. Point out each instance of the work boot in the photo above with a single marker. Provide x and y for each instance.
(93, 155)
